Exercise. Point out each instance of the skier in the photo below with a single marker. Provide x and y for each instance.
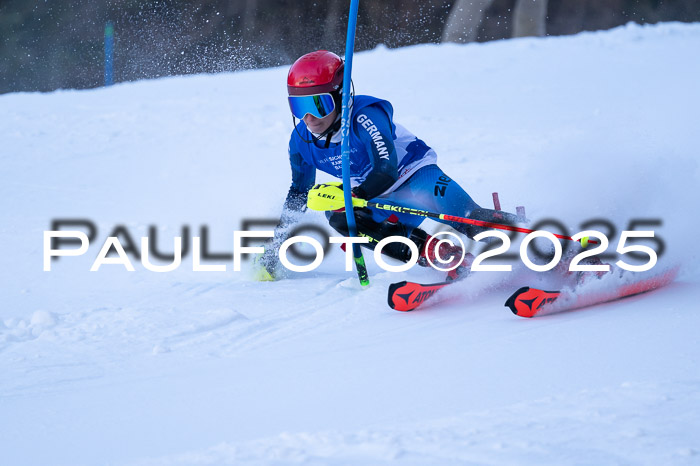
(387, 163)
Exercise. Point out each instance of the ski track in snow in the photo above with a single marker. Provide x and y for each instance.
(541, 431)
(211, 368)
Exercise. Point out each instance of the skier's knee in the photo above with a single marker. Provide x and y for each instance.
(376, 232)
(487, 215)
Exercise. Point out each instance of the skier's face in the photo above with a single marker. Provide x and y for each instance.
(319, 125)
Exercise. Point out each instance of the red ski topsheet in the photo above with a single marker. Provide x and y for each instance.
(406, 296)
(529, 302)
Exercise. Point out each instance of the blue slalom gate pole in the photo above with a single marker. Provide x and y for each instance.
(109, 53)
(345, 144)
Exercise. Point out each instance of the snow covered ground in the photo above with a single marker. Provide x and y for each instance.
(142, 368)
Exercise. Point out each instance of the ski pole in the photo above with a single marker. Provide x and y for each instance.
(454, 218)
(362, 274)
(329, 196)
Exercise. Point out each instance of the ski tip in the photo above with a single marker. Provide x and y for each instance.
(527, 302)
(391, 296)
(510, 302)
(406, 296)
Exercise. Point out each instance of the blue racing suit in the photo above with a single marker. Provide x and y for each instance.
(387, 163)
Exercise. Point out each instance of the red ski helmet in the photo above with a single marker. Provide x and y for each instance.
(317, 72)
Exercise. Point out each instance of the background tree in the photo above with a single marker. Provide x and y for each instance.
(465, 20)
(45, 45)
(530, 18)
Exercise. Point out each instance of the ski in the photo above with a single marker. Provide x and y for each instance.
(406, 296)
(531, 302)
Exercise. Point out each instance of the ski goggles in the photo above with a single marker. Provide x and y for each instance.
(319, 105)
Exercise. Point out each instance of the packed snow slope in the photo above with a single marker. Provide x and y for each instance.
(116, 367)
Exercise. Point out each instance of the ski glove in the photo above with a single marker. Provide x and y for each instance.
(330, 196)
